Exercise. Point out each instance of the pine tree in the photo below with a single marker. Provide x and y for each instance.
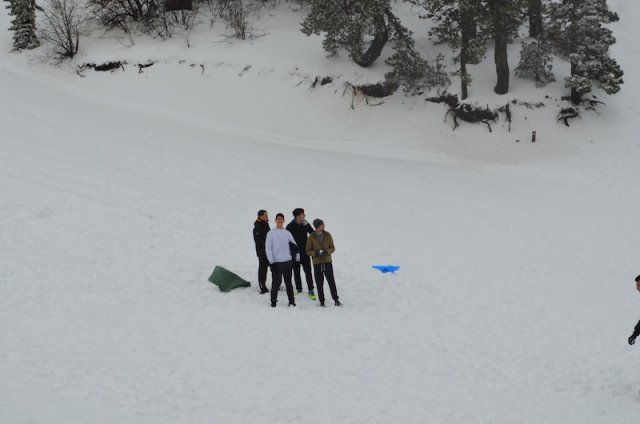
(578, 32)
(535, 62)
(456, 24)
(409, 69)
(347, 25)
(23, 24)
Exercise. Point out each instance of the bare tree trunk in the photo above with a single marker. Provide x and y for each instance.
(377, 44)
(501, 40)
(467, 32)
(576, 96)
(535, 18)
(463, 79)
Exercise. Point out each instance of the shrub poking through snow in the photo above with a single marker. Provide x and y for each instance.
(536, 63)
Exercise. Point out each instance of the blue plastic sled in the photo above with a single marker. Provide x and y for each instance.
(386, 268)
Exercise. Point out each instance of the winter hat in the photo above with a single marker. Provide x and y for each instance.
(317, 222)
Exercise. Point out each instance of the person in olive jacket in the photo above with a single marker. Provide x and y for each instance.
(320, 247)
(260, 230)
(300, 228)
(636, 330)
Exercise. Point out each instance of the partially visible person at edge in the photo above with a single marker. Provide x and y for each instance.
(299, 229)
(260, 230)
(279, 254)
(636, 330)
(320, 247)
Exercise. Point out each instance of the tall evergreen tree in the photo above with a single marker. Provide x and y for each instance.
(457, 25)
(23, 24)
(577, 31)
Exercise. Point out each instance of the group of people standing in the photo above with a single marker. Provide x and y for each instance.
(285, 250)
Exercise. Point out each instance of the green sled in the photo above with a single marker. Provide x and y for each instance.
(227, 280)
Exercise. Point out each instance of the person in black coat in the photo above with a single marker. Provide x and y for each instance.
(260, 230)
(300, 229)
(636, 330)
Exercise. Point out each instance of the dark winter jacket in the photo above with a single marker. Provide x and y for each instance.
(299, 233)
(260, 230)
(317, 243)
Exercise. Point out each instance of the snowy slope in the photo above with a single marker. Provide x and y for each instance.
(121, 191)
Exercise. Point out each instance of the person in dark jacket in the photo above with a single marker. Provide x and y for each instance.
(300, 228)
(320, 247)
(636, 330)
(260, 230)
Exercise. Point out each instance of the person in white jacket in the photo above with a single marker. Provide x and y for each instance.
(279, 253)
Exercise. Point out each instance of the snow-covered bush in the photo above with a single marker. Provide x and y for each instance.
(415, 73)
(535, 63)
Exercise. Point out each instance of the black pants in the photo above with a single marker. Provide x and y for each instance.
(263, 266)
(636, 330)
(320, 271)
(305, 261)
(280, 270)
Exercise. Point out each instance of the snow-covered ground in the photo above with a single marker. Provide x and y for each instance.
(121, 191)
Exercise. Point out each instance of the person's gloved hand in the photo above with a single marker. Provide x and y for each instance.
(322, 253)
(632, 340)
